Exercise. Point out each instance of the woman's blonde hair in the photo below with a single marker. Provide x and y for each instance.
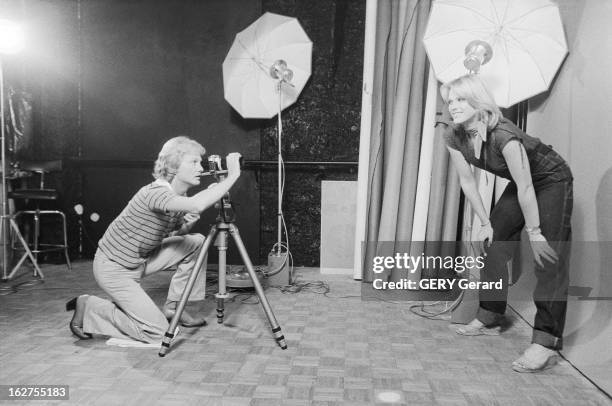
(171, 155)
(473, 90)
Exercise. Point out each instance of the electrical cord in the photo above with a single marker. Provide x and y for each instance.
(385, 300)
(247, 298)
(422, 312)
(318, 287)
(447, 308)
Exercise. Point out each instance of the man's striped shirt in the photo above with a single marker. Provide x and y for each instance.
(141, 226)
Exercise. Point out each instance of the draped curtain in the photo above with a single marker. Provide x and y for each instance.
(398, 99)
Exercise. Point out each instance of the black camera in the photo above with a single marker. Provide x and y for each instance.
(215, 163)
(218, 166)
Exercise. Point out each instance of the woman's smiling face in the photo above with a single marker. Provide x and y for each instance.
(460, 110)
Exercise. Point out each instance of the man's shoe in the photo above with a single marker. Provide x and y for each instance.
(186, 319)
(76, 323)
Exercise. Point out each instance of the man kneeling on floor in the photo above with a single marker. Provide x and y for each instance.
(151, 235)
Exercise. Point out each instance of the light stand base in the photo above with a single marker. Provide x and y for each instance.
(277, 263)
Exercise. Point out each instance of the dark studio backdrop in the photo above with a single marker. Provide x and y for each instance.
(108, 81)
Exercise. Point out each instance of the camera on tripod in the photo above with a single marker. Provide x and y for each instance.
(216, 166)
(224, 206)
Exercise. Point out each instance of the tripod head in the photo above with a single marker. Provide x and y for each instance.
(225, 207)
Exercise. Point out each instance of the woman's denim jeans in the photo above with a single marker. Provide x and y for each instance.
(555, 203)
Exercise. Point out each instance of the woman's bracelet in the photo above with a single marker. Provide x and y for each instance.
(533, 230)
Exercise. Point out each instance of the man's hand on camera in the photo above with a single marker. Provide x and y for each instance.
(233, 164)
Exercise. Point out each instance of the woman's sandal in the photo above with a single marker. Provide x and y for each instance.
(478, 331)
(526, 364)
(75, 327)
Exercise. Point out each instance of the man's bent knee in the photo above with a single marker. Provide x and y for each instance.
(193, 241)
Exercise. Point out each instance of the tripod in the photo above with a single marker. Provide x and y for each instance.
(219, 232)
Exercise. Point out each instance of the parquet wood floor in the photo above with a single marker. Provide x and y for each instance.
(342, 351)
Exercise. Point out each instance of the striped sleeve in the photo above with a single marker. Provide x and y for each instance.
(158, 197)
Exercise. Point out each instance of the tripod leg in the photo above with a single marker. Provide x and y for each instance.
(165, 346)
(276, 330)
(221, 295)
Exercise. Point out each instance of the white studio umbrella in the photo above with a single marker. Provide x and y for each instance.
(264, 72)
(516, 45)
(273, 52)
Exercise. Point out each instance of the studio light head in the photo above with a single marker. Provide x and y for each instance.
(280, 71)
(477, 53)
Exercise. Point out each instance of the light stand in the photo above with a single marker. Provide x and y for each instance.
(258, 84)
(282, 74)
(11, 41)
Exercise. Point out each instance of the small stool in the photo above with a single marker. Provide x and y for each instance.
(38, 196)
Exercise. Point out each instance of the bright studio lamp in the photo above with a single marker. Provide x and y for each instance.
(12, 38)
(12, 41)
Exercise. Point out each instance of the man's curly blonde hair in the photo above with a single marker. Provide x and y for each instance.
(171, 155)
